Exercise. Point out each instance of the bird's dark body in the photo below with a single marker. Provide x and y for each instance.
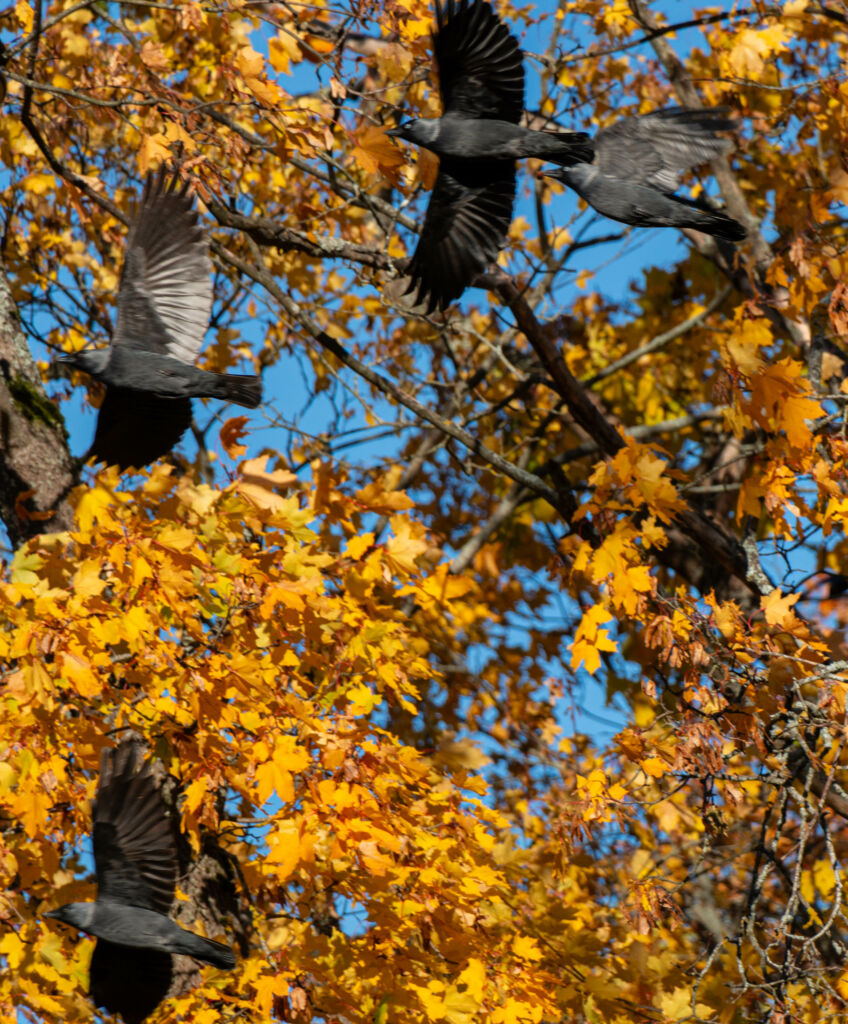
(642, 206)
(465, 138)
(138, 928)
(166, 377)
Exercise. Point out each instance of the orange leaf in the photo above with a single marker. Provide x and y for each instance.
(377, 154)
(231, 434)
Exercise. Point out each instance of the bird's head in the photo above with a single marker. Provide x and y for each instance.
(420, 130)
(92, 360)
(574, 175)
(77, 914)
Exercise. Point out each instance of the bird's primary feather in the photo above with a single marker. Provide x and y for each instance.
(135, 855)
(653, 149)
(165, 296)
(464, 228)
(480, 64)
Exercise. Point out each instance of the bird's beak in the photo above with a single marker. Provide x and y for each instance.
(393, 133)
(50, 913)
(552, 174)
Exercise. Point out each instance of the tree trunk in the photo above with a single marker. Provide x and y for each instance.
(36, 468)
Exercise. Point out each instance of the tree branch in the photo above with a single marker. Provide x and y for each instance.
(712, 540)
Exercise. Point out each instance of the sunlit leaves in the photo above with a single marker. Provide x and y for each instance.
(370, 690)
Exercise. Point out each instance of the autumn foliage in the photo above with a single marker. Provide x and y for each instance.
(359, 629)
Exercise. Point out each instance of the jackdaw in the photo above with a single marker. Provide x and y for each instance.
(135, 860)
(637, 165)
(164, 303)
(477, 140)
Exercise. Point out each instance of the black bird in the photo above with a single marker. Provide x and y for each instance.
(637, 165)
(136, 863)
(164, 303)
(477, 139)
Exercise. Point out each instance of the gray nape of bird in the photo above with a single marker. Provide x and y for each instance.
(477, 139)
(637, 166)
(164, 304)
(135, 861)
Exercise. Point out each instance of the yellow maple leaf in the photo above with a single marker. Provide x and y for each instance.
(357, 546)
(154, 150)
(25, 15)
(284, 849)
(362, 700)
(194, 795)
(270, 778)
(406, 545)
(589, 639)
(744, 344)
(267, 987)
(526, 948)
(428, 169)
(249, 62)
(282, 50)
(473, 978)
(654, 766)
(752, 48)
(778, 609)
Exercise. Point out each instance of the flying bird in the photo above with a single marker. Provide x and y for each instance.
(637, 166)
(135, 860)
(164, 303)
(477, 139)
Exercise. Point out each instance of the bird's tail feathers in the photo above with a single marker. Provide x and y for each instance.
(243, 389)
(215, 953)
(711, 221)
(575, 148)
(722, 226)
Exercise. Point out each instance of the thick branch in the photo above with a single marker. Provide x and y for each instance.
(265, 231)
(712, 540)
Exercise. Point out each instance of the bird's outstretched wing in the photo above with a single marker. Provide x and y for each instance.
(135, 428)
(481, 73)
(655, 148)
(467, 220)
(134, 850)
(131, 982)
(165, 297)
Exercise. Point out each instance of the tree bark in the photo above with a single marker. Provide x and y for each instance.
(36, 467)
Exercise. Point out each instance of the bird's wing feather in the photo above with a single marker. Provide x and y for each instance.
(464, 228)
(165, 297)
(135, 428)
(481, 73)
(134, 850)
(655, 148)
(129, 982)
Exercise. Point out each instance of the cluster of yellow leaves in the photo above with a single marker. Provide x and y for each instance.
(257, 657)
(258, 640)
